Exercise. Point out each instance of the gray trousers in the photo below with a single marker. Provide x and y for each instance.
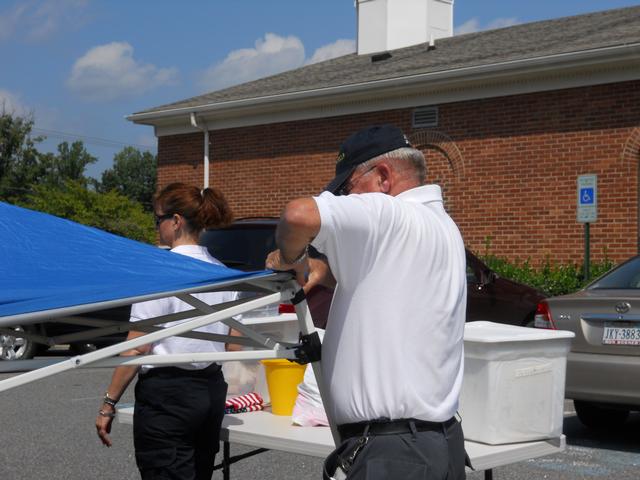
(433, 455)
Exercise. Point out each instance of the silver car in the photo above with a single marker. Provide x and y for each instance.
(603, 368)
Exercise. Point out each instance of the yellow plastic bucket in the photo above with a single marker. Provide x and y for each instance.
(283, 378)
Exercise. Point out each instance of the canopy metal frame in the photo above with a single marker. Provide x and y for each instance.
(274, 288)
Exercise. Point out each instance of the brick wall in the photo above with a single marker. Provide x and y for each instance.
(516, 163)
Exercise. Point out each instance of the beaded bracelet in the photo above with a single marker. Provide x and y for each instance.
(109, 401)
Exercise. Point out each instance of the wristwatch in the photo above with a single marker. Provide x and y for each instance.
(300, 258)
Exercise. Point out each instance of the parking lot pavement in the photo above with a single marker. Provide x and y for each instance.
(48, 433)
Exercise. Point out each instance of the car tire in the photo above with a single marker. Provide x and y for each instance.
(597, 416)
(15, 347)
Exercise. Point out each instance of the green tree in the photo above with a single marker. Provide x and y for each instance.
(56, 183)
(110, 211)
(133, 175)
(20, 164)
(69, 164)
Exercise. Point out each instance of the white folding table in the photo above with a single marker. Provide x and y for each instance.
(266, 431)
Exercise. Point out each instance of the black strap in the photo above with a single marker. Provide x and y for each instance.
(298, 297)
(309, 350)
(392, 427)
(213, 369)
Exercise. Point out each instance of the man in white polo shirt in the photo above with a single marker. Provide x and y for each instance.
(392, 354)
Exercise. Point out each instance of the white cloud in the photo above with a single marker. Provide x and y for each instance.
(502, 23)
(336, 49)
(38, 20)
(11, 103)
(469, 26)
(110, 71)
(473, 25)
(272, 54)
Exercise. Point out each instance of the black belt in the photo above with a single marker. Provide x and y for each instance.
(211, 370)
(392, 427)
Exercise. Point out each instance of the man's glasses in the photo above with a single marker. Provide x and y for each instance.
(162, 218)
(351, 183)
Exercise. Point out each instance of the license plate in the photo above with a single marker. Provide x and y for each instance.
(621, 333)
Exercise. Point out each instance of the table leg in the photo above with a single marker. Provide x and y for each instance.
(488, 474)
(226, 463)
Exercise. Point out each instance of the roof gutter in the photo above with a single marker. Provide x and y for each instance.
(601, 55)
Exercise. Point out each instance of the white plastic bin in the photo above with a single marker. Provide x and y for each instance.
(513, 384)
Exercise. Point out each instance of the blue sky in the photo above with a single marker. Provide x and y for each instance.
(80, 65)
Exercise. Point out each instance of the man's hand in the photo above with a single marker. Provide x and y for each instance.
(309, 273)
(319, 274)
(275, 261)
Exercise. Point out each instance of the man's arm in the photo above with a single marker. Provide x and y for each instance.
(299, 225)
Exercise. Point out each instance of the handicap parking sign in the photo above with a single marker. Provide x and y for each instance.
(587, 198)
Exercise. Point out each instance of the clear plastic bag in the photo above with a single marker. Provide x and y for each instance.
(241, 376)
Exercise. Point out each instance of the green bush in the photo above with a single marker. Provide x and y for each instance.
(550, 277)
(110, 211)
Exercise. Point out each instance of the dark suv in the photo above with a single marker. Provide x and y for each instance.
(245, 245)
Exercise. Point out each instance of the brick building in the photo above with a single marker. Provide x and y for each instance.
(507, 118)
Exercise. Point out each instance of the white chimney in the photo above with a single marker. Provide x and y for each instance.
(389, 24)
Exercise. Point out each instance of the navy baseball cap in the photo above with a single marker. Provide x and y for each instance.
(364, 145)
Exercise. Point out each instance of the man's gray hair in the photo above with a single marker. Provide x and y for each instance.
(411, 158)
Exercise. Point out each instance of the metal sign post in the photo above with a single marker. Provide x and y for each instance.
(587, 212)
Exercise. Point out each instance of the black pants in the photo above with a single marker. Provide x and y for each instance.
(176, 422)
(434, 454)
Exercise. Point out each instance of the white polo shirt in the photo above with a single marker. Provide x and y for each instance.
(164, 306)
(393, 346)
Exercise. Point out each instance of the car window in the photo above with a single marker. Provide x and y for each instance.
(625, 276)
(242, 248)
(471, 275)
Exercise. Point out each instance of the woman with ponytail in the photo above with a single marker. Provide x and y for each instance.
(178, 410)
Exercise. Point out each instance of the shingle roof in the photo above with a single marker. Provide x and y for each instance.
(527, 41)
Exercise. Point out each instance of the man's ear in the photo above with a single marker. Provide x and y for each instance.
(384, 179)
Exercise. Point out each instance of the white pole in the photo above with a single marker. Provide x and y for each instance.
(89, 358)
(182, 358)
(206, 157)
(205, 129)
(307, 327)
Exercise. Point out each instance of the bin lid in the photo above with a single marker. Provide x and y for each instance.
(491, 332)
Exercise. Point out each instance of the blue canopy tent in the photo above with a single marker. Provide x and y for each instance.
(49, 263)
(52, 269)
